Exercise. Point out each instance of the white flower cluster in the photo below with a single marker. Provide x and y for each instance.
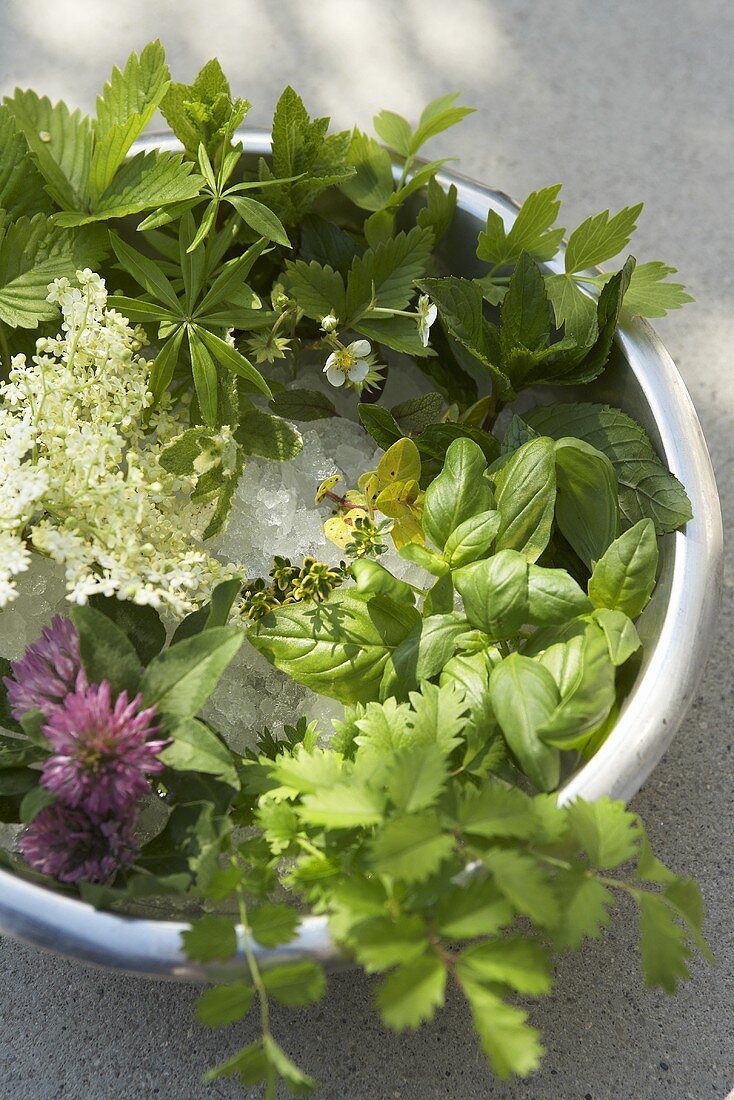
(80, 476)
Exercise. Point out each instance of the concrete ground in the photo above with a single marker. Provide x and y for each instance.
(623, 102)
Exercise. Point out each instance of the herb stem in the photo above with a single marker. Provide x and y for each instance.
(252, 965)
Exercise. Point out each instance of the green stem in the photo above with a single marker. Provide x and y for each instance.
(4, 349)
(254, 969)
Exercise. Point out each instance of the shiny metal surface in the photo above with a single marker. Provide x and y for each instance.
(676, 628)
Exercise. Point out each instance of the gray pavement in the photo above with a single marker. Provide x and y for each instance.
(622, 102)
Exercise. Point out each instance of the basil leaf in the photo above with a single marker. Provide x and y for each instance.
(338, 648)
(554, 597)
(472, 538)
(495, 593)
(585, 676)
(624, 576)
(526, 497)
(524, 696)
(587, 508)
(459, 492)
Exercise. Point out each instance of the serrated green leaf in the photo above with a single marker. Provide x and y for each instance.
(475, 908)
(22, 190)
(525, 884)
(210, 938)
(584, 905)
(513, 961)
(531, 230)
(605, 830)
(411, 847)
(295, 984)
(273, 923)
(600, 238)
(646, 489)
(511, 1045)
(61, 142)
(144, 181)
(416, 777)
(347, 805)
(410, 995)
(650, 295)
(663, 943)
(260, 218)
(381, 942)
(388, 272)
(126, 106)
(494, 810)
(224, 1004)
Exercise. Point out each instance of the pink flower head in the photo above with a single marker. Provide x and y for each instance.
(48, 670)
(71, 846)
(101, 752)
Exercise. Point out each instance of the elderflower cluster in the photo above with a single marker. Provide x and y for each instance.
(80, 465)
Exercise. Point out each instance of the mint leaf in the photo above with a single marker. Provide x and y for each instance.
(303, 405)
(646, 489)
(106, 651)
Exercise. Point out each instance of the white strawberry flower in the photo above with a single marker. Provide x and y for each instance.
(425, 316)
(348, 364)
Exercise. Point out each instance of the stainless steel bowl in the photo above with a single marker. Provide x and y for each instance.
(676, 629)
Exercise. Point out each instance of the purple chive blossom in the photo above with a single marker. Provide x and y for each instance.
(71, 846)
(47, 672)
(101, 750)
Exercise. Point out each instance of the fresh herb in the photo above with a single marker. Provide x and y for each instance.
(424, 825)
